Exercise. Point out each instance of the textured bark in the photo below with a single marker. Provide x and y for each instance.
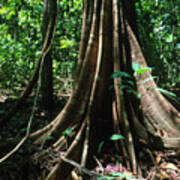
(108, 44)
(80, 95)
(159, 113)
(50, 11)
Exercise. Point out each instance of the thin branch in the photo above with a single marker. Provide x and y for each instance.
(81, 168)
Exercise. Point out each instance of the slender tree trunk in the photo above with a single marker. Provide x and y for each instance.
(50, 9)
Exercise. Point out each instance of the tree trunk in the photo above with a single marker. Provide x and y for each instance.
(50, 9)
(94, 110)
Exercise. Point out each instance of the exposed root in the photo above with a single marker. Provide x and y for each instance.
(57, 172)
(159, 113)
(86, 144)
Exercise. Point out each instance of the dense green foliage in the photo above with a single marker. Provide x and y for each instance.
(21, 40)
(159, 27)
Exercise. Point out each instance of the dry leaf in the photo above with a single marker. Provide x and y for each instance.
(158, 159)
(169, 166)
(74, 175)
(162, 175)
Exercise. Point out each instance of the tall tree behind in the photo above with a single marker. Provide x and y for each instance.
(50, 11)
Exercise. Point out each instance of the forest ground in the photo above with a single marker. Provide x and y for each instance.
(27, 164)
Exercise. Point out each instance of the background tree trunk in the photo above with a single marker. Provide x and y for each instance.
(50, 11)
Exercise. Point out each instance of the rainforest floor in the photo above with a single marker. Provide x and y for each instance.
(25, 164)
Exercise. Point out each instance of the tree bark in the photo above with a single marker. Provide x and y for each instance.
(50, 11)
(109, 44)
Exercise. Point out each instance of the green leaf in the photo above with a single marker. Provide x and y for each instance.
(166, 92)
(137, 4)
(130, 82)
(148, 79)
(116, 137)
(100, 146)
(136, 66)
(23, 129)
(3, 10)
(142, 70)
(105, 178)
(120, 74)
(123, 86)
(67, 132)
(151, 35)
(48, 138)
(10, 14)
(120, 175)
(139, 96)
(169, 39)
(178, 45)
(138, 70)
(66, 43)
(116, 174)
(133, 91)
